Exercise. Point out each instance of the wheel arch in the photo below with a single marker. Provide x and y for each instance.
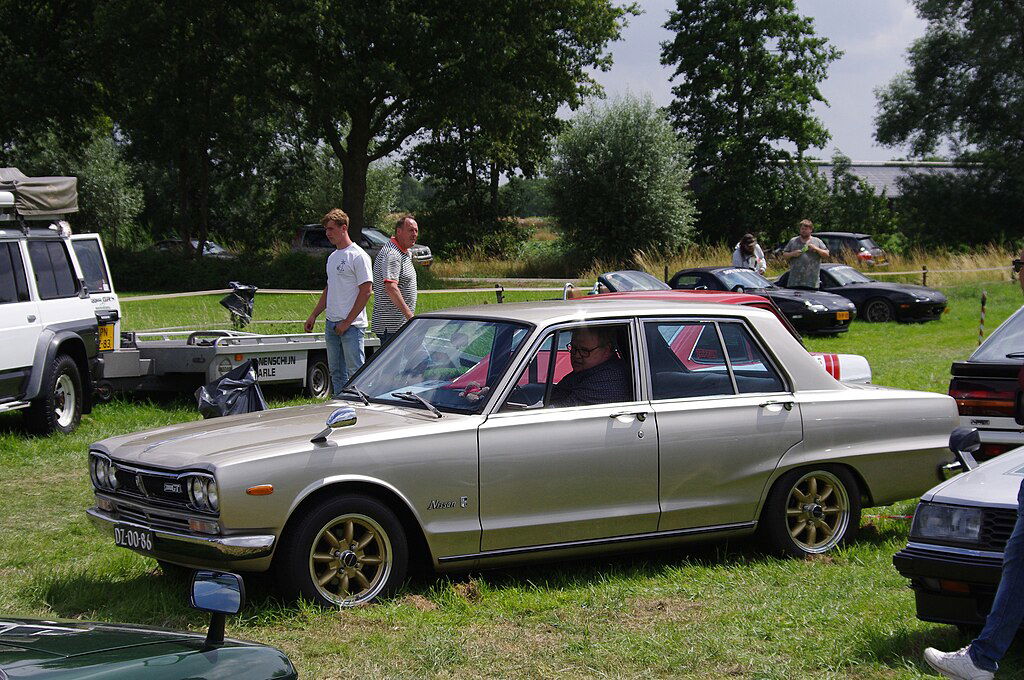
(420, 553)
(51, 343)
(862, 485)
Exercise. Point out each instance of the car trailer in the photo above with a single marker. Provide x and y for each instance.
(182, 360)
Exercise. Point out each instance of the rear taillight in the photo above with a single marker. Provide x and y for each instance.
(865, 255)
(992, 450)
(973, 402)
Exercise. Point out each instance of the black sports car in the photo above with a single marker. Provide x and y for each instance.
(880, 300)
(811, 311)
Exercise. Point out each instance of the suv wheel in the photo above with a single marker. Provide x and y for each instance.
(58, 408)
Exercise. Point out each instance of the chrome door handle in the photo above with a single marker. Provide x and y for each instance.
(788, 405)
(639, 415)
(31, 318)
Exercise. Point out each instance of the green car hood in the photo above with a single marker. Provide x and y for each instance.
(36, 649)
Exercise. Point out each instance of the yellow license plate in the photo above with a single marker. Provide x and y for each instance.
(106, 338)
(842, 316)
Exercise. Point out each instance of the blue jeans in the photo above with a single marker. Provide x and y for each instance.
(344, 354)
(1008, 607)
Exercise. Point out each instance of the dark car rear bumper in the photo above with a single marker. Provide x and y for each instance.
(950, 587)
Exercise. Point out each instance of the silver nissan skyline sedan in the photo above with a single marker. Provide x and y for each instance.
(499, 434)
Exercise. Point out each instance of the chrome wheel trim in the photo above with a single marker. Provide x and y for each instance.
(878, 311)
(64, 400)
(350, 560)
(817, 512)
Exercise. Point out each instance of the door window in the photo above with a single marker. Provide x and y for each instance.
(54, 275)
(686, 360)
(13, 285)
(750, 366)
(90, 257)
(578, 366)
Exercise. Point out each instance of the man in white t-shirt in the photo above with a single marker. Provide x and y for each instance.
(349, 282)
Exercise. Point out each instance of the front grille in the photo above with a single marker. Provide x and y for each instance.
(157, 486)
(996, 526)
(153, 520)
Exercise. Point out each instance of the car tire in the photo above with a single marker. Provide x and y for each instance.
(810, 511)
(348, 551)
(877, 310)
(58, 408)
(318, 376)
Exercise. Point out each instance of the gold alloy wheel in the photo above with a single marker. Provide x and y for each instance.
(817, 511)
(350, 560)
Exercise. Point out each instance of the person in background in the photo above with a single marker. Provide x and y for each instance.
(349, 282)
(394, 281)
(980, 659)
(748, 254)
(804, 253)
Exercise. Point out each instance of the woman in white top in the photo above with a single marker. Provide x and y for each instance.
(748, 254)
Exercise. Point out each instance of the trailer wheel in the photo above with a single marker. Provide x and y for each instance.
(318, 376)
(104, 391)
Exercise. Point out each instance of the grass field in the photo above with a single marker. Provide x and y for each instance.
(707, 611)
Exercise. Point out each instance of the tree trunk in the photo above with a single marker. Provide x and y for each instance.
(355, 162)
(494, 190)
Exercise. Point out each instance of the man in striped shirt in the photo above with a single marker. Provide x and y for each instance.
(394, 281)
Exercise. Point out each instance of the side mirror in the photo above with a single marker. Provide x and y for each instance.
(341, 417)
(964, 442)
(220, 593)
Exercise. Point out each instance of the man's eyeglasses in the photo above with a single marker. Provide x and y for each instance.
(583, 352)
(1017, 264)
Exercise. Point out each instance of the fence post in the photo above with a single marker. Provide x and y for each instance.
(499, 292)
(924, 275)
(666, 273)
(981, 324)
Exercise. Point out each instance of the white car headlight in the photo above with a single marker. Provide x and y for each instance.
(212, 494)
(947, 523)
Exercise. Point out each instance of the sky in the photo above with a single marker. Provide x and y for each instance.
(873, 34)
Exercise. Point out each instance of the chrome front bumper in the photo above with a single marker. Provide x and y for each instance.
(176, 546)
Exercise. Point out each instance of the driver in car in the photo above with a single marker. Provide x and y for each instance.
(598, 375)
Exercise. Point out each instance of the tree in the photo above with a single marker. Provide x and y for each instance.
(748, 74)
(964, 90)
(619, 183)
(369, 76)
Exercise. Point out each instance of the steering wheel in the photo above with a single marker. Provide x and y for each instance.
(474, 391)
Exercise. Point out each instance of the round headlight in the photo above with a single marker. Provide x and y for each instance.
(102, 469)
(92, 471)
(212, 494)
(199, 492)
(112, 476)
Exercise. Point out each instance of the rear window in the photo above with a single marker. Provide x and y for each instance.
(1006, 342)
(867, 244)
(13, 285)
(54, 275)
(90, 258)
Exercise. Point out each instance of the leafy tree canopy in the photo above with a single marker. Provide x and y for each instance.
(748, 74)
(619, 183)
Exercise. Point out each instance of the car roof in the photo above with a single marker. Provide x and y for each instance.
(703, 296)
(595, 307)
(846, 234)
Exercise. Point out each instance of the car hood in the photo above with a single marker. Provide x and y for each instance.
(818, 297)
(922, 292)
(994, 483)
(203, 443)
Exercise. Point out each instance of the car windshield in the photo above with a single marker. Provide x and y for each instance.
(1005, 342)
(454, 364)
(375, 237)
(844, 276)
(743, 277)
(631, 280)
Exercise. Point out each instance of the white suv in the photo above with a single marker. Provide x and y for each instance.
(48, 325)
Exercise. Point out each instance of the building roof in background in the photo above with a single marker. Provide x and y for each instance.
(882, 176)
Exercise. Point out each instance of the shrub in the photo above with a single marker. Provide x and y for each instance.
(619, 183)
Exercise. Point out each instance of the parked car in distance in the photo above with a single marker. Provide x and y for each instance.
(987, 388)
(861, 247)
(879, 301)
(455, 449)
(954, 556)
(312, 239)
(629, 284)
(32, 648)
(210, 249)
(810, 311)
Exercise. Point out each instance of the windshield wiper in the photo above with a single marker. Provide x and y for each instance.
(409, 396)
(1015, 355)
(363, 396)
